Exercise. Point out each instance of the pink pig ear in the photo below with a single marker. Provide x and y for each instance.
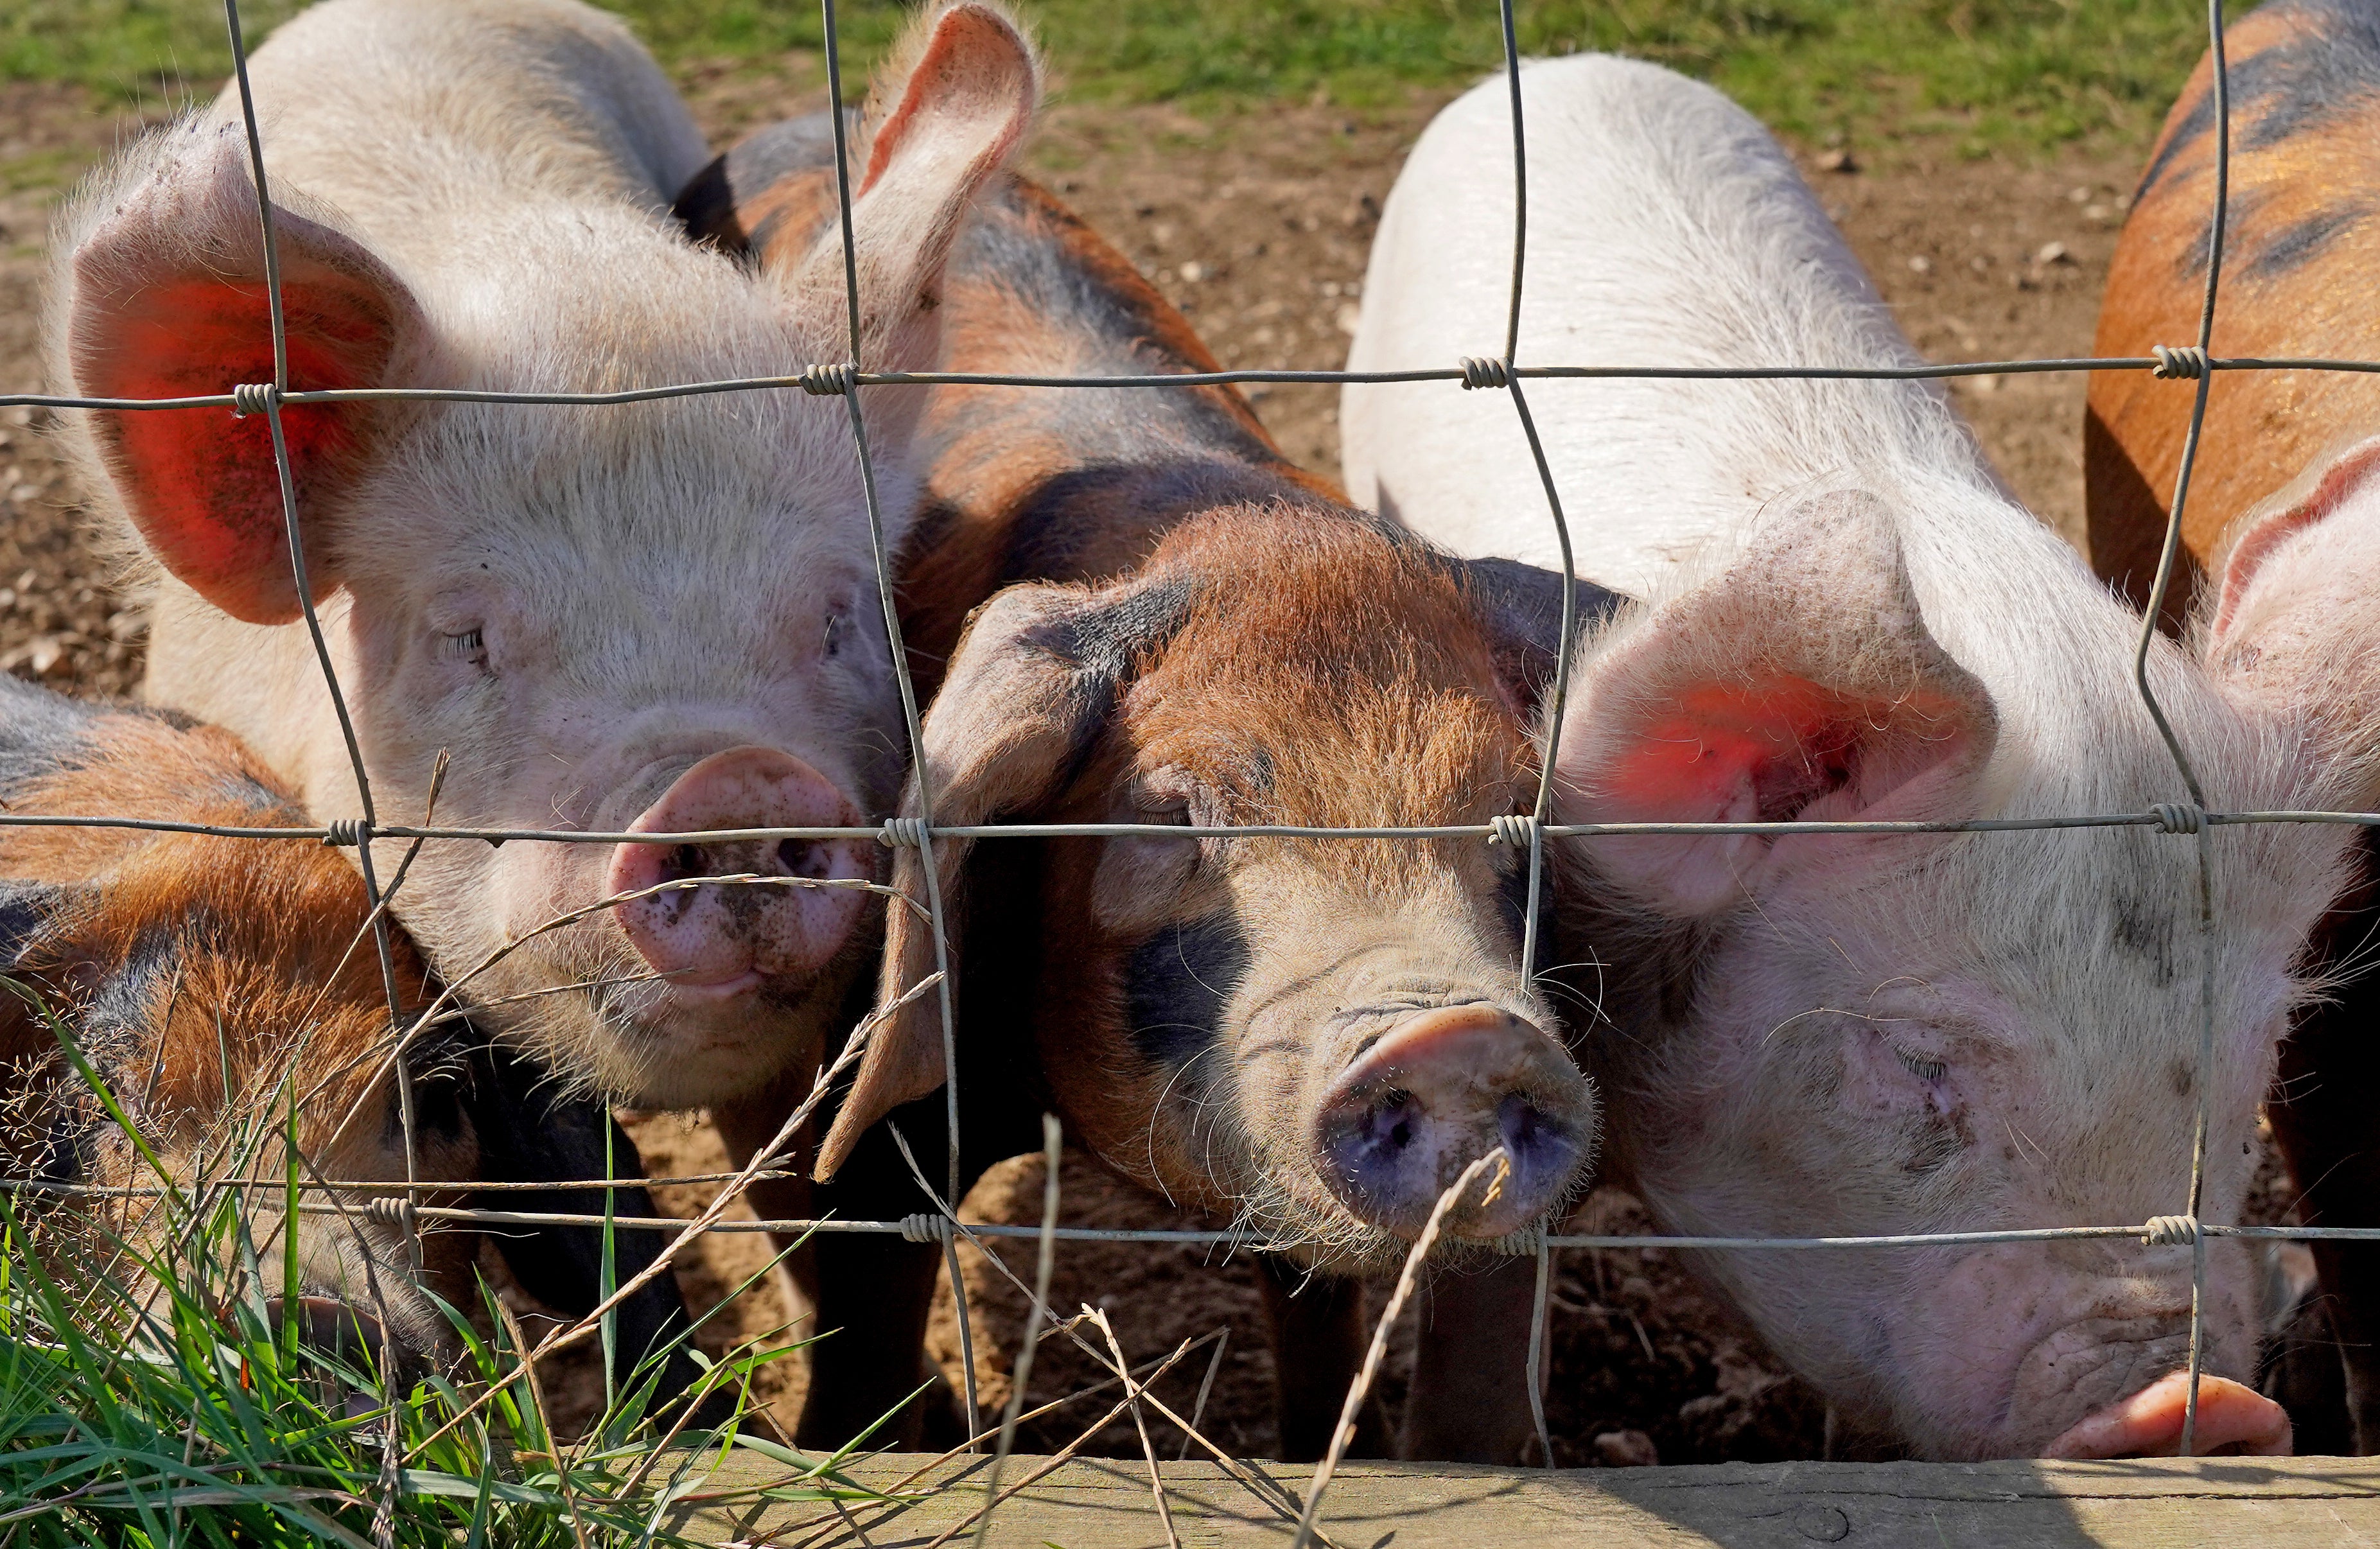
(2297, 622)
(1800, 685)
(963, 86)
(168, 300)
(2263, 536)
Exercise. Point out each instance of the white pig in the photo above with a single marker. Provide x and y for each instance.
(662, 616)
(1846, 616)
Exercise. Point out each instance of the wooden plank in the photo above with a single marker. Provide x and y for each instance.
(1105, 1503)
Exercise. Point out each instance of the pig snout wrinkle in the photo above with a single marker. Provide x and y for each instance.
(721, 940)
(1441, 1090)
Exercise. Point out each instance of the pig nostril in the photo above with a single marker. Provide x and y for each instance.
(1387, 1129)
(1524, 1127)
(803, 857)
(685, 860)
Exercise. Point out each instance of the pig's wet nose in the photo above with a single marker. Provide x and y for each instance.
(724, 940)
(1442, 1089)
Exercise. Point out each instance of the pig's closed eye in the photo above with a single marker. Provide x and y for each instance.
(469, 645)
(1924, 1067)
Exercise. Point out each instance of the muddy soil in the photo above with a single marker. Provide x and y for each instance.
(1257, 226)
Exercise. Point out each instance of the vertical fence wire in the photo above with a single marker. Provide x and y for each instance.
(2166, 559)
(911, 724)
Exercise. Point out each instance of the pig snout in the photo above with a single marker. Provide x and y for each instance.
(2232, 1419)
(1441, 1090)
(720, 940)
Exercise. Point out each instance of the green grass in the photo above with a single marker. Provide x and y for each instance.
(150, 1396)
(1989, 72)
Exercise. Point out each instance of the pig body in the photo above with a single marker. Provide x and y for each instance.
(2284, 514)
(659, 616)
(210, 983)
(1311, 1037)
(1846, 617)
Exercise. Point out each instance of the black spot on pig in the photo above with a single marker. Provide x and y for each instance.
(2146, 929)
(2328, 69)
(1106, 642)
(1177, 984)
(2293, 245)
(1936, 1141)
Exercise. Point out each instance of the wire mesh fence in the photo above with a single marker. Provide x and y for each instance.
(409, 1204)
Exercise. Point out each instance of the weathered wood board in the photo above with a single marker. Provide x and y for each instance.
(1107, 1504)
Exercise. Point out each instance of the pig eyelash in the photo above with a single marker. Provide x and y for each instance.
(831, 620)
(470, 644)
(1921, 1067)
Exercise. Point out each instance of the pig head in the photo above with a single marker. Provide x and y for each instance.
(659, 616)
(1313, 1037)
(1844, 1035)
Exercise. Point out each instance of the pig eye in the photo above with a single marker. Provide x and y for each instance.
(1920, 1066)
(470, 645)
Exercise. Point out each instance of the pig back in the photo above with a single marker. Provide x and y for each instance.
(1666, 228)
(2301, 262)
(422, 119)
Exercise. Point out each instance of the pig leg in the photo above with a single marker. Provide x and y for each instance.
(1470, 1397)
(1318, 1335)
(531, 1131)
(2322, 1116)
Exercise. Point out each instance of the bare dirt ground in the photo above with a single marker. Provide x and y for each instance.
(1257, 227)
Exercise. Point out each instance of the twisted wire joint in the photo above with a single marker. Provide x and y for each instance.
(2170, 1231)
(1522, 1244)
(1515, 828)
(344, 833)
(928, 1226)
(2177, 362)
(2178, 818)
(253, 397)
(902, 833)
(389, 1211)
(1484, 371)
(823, 382)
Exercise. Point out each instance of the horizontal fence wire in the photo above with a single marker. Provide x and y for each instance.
(2173, 822)
(413, 1202)
(1253, 376)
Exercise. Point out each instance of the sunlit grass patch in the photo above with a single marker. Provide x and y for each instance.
(1990, 72)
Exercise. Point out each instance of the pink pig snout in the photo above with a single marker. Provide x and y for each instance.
(1442, 1089)
(719, 941)
(2232, 1418)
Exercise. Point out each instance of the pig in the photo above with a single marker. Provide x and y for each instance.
(2283, 513)
(1148, 614)
(661, 616)
(1844, 615)
(210, 981)
(658, 616)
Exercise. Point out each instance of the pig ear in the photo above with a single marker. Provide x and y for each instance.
(1520, 606)
(2295, 624)
(1800, 684)
(2262, 536)
(960, 110)
(1032, 685)
(168, 300)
